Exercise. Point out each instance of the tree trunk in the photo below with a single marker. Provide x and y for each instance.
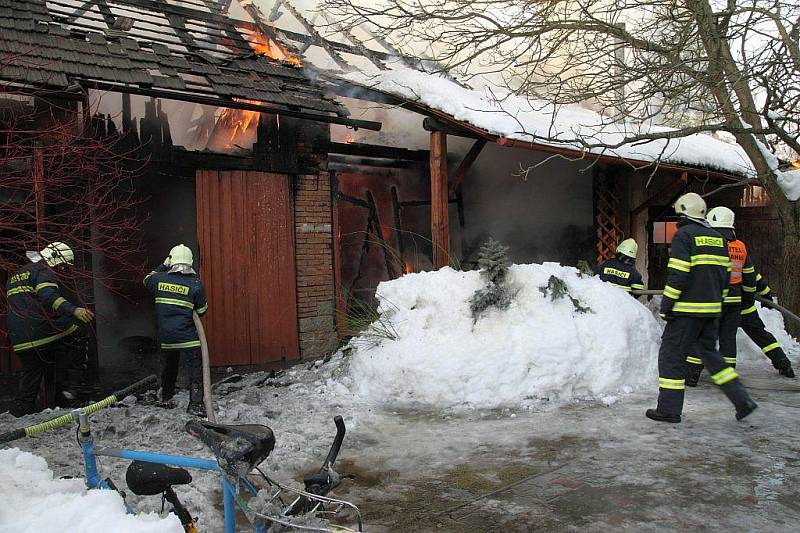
(790, 280)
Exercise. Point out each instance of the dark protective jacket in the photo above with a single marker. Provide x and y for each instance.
(762, 289)
(37, 313)
(177, 296)
(698, 272)
(620, 274)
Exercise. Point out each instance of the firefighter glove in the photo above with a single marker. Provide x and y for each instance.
(83, 314)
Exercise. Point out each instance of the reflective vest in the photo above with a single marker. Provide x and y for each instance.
(737, 251)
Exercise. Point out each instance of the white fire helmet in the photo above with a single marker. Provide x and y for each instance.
(57, 253)
(181, 255)
(691, 205)
(721, 217)
(628, 247)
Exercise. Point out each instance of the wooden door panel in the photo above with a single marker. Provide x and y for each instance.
(246, 238)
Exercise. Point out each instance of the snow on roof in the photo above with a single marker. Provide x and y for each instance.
(540, 122)
(512, 117)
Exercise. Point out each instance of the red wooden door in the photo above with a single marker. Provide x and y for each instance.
(245, 233)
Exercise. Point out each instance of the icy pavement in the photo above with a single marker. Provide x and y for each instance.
(584, 466)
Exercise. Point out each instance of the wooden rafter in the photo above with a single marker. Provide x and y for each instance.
(465, 165)
(319, 39)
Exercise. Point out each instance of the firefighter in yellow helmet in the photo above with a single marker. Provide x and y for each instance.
(41, 323)
(697, 281)
(178, 293)
(620, 271)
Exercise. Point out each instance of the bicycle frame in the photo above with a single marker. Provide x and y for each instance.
(94, 481)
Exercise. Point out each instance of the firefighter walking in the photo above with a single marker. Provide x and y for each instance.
(754, 328)
(697, 282)
(620, 271)
(741, 292)
(41, 323)
(178, 294)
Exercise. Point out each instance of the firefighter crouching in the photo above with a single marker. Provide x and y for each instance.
(741, 292)
(697, 281)
(178, 293)
(620, 271)
(754, 327)
(40, 323)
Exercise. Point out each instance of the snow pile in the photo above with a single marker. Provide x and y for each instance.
(773, 320)
(32, 501)
(537, 349)
(539, 121)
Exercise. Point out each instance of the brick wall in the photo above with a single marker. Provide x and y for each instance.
(314, 256)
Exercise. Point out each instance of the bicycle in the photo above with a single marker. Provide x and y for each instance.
(238, 450)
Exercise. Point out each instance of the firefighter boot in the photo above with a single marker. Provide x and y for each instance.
(196, 406)
(653, 414)
(745, 409)
(785, 368)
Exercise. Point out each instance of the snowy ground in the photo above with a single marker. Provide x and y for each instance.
(579, 460)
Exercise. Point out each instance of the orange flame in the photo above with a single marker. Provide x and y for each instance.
(263, 45)
(408, 268)
(348, 138)
(238, 121)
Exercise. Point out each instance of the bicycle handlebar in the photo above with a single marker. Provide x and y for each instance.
(333, 453)
(108, 401)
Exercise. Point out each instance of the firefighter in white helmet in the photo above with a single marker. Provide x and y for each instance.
(620, 271)
(697, 282)
(41, 323)
(742, 287)
(178, 293)
(739, 308)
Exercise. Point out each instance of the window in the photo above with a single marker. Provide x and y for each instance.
(664, 231)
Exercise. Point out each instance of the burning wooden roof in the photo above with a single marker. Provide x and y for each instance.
(186, 50)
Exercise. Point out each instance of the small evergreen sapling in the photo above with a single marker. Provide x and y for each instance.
(493, 262)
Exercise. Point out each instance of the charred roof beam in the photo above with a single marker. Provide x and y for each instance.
(231, 104)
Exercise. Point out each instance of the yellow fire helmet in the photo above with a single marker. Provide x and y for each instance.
(628, 247)
(57, 253)
(181, 255)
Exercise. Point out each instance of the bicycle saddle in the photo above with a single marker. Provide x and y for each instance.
(147, 479)
(238, 448)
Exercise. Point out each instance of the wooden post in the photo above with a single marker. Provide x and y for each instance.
(440, 231)
(38, 191)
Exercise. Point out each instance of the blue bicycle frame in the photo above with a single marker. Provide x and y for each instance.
(94, 481)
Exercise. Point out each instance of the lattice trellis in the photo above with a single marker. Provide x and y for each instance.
(606, 217)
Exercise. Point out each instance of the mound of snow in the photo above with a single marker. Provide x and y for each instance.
(32, 501)
(536, 349)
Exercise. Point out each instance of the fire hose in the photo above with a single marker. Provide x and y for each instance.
(201, 333)
(764, 302)
(69, 418)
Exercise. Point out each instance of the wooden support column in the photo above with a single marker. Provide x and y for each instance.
(37, 168)
(440, 231)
